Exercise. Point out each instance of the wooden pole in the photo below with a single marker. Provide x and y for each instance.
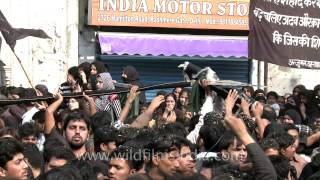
(24, 70)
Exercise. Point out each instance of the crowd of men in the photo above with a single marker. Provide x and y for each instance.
(188, 133)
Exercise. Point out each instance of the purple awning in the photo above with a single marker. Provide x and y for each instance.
(168, 45)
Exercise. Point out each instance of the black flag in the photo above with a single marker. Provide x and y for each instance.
(11, 35)
(285, 33)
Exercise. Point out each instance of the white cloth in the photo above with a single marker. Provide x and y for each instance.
(203, 155)
(207, 107)
(27, 116)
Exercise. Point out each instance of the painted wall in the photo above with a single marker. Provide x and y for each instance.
(283, 79)
(46, 61)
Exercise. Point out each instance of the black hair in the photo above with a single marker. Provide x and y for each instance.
(52, 143)
(126, 134)
(269, 113)
(256, 92)
(146, 136)
(184, 90)
(300, 87)
(226, 177)
(196, 176)
(39, 117)
(163, 144)
(288, 127)
(86, 170)
(213, 118)
(281, 164)
(249, 88)
(76, 116)
(269, 143)
(66, 172)
(226, 170)
(43, 89)
(211, 136)
(314, 176)
(104, 135)
(9, 131)
(73, 71)
(86, 67)
(9, 147)
(273, 130)
(28, 93)
(227, 139)
(133, 156)
(18, 91)
(140, 177)
(100, 66)
(193, 121)
(272, 93)
(315, 160)
(61, 115)
(182, 141)
(6, 89)
(28, 129)
(161, 92)
(175, 128)
(100, 167)
(59, 152)
(34, 156)
(285, 140)
(100, 119)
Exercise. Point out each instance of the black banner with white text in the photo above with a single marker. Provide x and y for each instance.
(285, 32)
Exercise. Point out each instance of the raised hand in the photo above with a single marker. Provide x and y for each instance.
(87, 98)
(83, 77)
(133, 93)
(257, 109)
(155, 103)
(230, 101)
(245, 105)
(58, 96)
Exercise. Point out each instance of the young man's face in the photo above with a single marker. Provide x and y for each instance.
(29, 139)
(289, 152)
(187, 165)
(287, 120)
(168, 163)
(77, 133)
(119, 169)
(271, 100)
(73, 104)
(16, 169)
(295, 134)
(237, 152)
(54, 163)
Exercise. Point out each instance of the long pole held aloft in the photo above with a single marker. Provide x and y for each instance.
(97, 93)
